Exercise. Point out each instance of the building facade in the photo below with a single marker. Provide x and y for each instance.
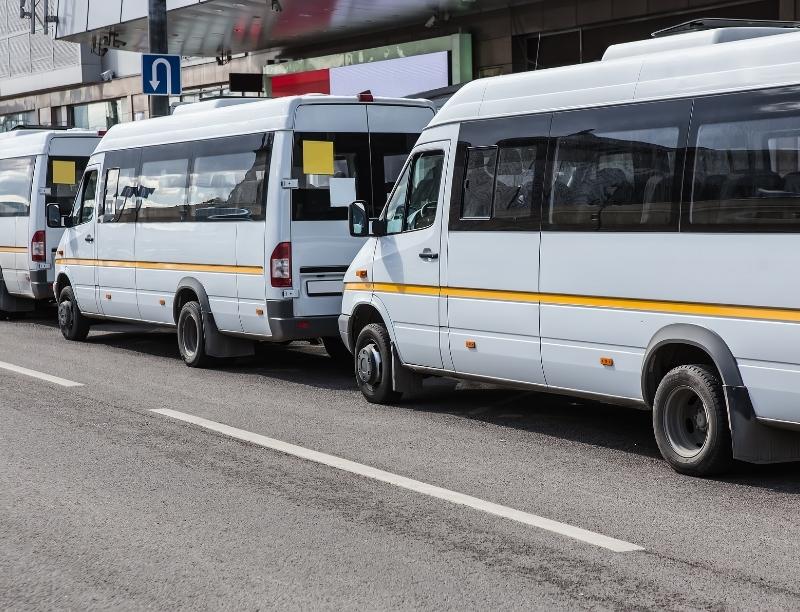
(48, 78)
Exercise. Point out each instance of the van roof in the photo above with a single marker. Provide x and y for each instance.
(681, 65)
(209, 120)
(36, 141)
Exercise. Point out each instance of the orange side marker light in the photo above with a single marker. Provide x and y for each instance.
(471, 344)
(606, 361)
(361, 273)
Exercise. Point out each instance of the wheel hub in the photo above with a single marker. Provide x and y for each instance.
(368, 365)
(65, 314)
(686, 422)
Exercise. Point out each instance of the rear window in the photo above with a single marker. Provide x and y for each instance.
(335, 168)
(63, 176)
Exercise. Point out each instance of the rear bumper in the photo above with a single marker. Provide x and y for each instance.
(41, 288)
(286, 327)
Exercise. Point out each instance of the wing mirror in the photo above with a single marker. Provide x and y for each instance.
(359, 222)
(55, 218)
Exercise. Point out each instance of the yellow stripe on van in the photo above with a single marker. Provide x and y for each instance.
(589, 301)
(9, 249)
(154, 265)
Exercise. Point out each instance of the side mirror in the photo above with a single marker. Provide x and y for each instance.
(358, 220)
(53, 215)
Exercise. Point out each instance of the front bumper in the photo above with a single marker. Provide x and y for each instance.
(344, 330)
(285, 326)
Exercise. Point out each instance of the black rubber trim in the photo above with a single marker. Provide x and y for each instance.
(285, 326)
(41, 288)
(322, 269)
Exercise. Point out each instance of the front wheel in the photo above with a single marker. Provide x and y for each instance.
(690, 421)
(373, 361)
(191, 335)
(71, 321)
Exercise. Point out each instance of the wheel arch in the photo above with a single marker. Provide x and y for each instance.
(62, 280)
(188, 287)
(366, 312)
(675, 344)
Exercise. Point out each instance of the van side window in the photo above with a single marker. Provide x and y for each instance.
(618, 168)
(479, 180)
(84, 210)
(614, 180)
(163, 184)
(229, 180)
(16, 176)
(747, 176)
(118, 204)
(415, 201)
(513, 190)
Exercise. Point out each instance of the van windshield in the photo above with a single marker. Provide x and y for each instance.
(63, 176)
(335, 168)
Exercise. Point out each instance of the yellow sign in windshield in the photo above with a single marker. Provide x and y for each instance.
(317, 157)
(63, 172)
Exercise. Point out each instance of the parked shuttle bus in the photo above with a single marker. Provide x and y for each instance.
(627, 230)
(230, 223)
(37, 167)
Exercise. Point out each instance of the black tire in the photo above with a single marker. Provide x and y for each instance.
(373, 365)
(191, 336)
(690, 421)
(337, 350)
(71, 321)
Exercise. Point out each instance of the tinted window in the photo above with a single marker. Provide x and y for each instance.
(163, 184)
(63, 177)
(16, 176)
(332, 170)
(84, 211)
(479, 183)
(618, 169)
(119, 187)
(513, 189)
(388, 153)
(229, 180)
(747, 175)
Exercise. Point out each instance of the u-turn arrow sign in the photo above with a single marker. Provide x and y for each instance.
(161, 74)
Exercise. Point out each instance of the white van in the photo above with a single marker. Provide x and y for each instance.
(38, 166)
(229, 221)
(627, 230)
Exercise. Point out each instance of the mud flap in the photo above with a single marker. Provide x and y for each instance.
(403, 379)
(10, 303)
(754, 442)
(222, 345)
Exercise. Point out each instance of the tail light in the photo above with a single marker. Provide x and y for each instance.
(280, 265)
(38, 246)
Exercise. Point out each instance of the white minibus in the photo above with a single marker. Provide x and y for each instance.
(229, 220)
(38, 166)
(627, 230)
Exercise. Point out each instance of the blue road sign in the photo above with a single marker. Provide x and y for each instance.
(161, 74)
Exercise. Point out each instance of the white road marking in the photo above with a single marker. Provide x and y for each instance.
(40, 375)
(366, 471)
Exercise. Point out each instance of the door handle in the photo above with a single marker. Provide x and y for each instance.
(428, 255)
(89, 239)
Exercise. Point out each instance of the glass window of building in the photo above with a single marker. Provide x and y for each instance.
(97, 115)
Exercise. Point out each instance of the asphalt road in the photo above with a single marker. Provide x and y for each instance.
(107, 504)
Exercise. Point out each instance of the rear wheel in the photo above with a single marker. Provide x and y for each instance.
(337, 350)
(191, 335)
(71, 322)
(373, 361)
(690, 421)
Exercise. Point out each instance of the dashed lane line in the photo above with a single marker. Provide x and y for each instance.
(540, 522)
(40, 375)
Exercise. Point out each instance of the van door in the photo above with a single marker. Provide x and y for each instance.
(116, 230)
(406, 266)
(80, 249)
